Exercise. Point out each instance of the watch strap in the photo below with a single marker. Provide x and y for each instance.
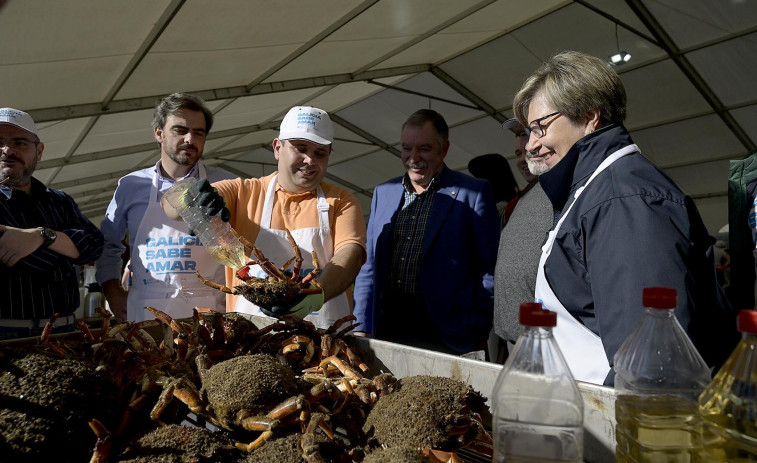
(48, 235)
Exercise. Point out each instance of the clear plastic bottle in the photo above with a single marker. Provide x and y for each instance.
(538, 409)
(659, 375)
(728, 406)
(214, 233)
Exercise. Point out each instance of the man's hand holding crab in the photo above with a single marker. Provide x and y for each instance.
(301, 306)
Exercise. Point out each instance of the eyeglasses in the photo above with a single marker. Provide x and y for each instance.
(17, 144)
(537, 128)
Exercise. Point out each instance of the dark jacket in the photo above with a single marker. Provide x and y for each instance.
(632, 228)
(457, 262)
(741, 182)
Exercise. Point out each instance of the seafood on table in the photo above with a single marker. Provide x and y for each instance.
(429, 414)
(287, 390)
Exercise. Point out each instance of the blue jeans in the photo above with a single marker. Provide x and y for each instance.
(7, 333)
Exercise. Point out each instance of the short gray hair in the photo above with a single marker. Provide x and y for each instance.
(420, 117)
(177, 101)
(575, 84)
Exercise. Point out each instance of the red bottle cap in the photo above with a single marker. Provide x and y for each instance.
(244, 273)
(660, 298)
(533, 314)
(746, 322)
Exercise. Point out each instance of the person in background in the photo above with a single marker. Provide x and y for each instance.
(322, 218)
(520, 242)
(432, 238)
(43, 236)
(495, 168)
(164, 256)
(742, 231)
(620, 223)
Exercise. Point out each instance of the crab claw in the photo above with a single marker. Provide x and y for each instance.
(441, 456)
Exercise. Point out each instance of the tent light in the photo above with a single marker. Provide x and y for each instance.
(619, 58)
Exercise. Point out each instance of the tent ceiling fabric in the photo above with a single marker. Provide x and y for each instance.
(91, 72)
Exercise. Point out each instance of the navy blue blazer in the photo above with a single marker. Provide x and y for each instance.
(457, 258)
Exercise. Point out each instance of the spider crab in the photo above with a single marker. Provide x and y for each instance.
(279, 287)
(245, 394)
(430, 413)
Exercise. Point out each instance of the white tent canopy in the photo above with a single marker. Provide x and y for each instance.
(90, 72)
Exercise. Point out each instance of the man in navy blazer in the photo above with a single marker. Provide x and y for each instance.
(432, 246)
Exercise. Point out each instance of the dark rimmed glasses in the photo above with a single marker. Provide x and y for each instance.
(537, 128)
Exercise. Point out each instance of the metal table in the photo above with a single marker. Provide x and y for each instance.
(401, 361)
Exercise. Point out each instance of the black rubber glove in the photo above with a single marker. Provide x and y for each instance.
(210, 201)
(302, 305)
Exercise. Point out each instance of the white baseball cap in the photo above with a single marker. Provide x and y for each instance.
(18, 118)
(307, 123)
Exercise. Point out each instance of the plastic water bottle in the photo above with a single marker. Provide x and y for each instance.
(659, 375)
(728, 406)
(538, 409)
(214, 233)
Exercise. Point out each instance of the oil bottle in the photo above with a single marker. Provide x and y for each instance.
(538, 409)
(214, 233)
(659, 375)
(728, 406)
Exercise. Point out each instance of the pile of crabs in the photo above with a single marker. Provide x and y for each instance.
(287, 392)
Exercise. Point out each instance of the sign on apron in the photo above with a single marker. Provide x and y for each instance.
(582, 349)
(164, 270)
(277, 249)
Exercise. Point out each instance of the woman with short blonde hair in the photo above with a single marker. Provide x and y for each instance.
(620, 223)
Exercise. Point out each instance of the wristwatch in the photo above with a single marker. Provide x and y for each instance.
(49, 235)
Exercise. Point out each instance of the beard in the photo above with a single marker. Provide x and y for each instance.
(537, 168)
(17, 175)
(180, 156)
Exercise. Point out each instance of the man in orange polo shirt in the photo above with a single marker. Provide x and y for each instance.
(322, 217)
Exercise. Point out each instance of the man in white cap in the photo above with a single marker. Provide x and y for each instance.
(164, 255)
(323, 219)
(42, 235)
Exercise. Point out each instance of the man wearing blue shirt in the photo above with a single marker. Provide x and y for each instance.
(164, 255)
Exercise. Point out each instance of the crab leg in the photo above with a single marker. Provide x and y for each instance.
(85, 329)
(106, 321)
(296, 343)
(166, 319)
(288, 407)
(262, 439)
(104, 442)
(217, 286)
(310, 277)
(346, 370)
(309, 447)
(267, 265)
(48, 329)
(297, 257)
(264, 263)
(441, 456)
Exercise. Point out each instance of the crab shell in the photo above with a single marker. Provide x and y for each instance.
(268, 292)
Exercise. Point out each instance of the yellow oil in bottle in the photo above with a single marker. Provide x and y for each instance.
(657, 429)
(728, 408)
(230, 256)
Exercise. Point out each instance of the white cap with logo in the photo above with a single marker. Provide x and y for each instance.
(18, 118)
(307, 123)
